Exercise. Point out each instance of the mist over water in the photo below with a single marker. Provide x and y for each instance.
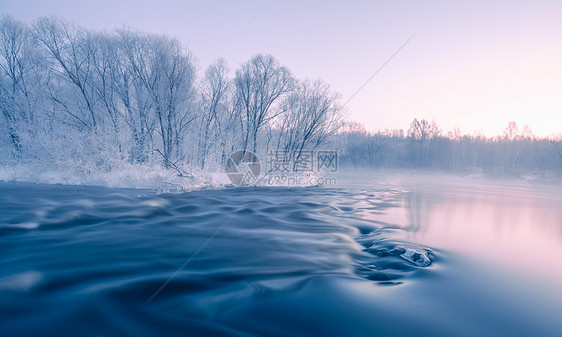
(284, 261)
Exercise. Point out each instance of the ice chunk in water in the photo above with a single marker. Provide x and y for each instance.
(417, 258)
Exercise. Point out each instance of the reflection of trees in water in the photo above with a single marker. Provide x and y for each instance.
(420, 206)
(496, 209)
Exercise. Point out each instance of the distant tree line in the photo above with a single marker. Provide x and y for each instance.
(425, 146)
(68, 94)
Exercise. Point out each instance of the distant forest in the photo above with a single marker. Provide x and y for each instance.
(73, 98)
(425, 146)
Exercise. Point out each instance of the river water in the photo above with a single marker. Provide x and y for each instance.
(280, 261)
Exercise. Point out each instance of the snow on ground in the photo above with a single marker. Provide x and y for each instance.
(153, 177)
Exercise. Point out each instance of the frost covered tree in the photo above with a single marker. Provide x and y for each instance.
(167, 74)
(260, 83)
(514, 152)
(20, 78)
(216, 122)
(91, 101)
(422, 134)
(67, 49)
(105, 80)
(311, 115)
(132, 99)
(555, 152)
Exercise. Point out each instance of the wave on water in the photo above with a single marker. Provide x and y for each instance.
(104, 253)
